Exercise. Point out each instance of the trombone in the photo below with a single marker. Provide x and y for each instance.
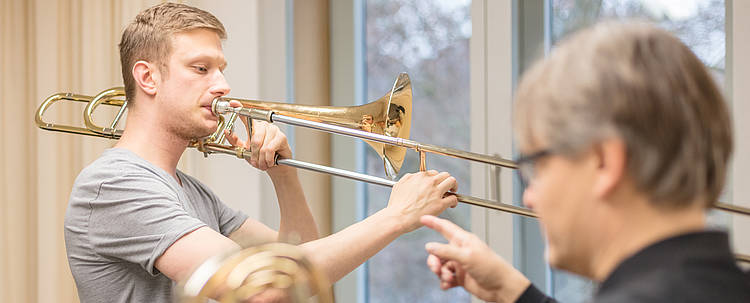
(384, 124)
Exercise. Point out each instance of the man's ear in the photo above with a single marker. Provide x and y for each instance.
(612, 154)
(146, 76)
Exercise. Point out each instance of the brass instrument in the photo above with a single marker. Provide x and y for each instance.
(384, 124)
(240, 275)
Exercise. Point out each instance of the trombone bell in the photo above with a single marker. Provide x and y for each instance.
(389, 115)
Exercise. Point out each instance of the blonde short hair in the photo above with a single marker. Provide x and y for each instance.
(643, 85)
(148, 36)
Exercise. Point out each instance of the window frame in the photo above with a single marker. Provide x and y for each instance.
(503, 32)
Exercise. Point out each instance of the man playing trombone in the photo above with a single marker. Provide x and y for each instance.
(625, 140)
(135, 223)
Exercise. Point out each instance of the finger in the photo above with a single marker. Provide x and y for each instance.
(284, 150)
(447, 177)
(444, 227)
(256, 140)
(446, 285)
(248, 128)
(263, 153)
(447, 274)
(434, 264)
(281, 149)
(231, 137)
(447, 185)
(445, 251)
(273, 145)
(234, 139)
(459, 272)
(432, 172)
(442, 176)
(449, 200)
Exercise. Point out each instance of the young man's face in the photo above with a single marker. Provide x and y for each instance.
(560, 193)
(195, 77)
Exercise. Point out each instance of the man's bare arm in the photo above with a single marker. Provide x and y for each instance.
(340, 253)
(336, 255)
(297, 223)
(413, 196)
(185, 254)
(252, 233)
(265, 143)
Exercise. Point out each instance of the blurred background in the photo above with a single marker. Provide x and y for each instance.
(464, 58)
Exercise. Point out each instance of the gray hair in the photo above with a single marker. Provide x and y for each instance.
(643, 85)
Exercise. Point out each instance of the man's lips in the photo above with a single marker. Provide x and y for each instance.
(208, 109)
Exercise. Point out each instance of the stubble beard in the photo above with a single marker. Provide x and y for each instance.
(190, 130)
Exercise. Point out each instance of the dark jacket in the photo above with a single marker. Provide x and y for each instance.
(694, 267)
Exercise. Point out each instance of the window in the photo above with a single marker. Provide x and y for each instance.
(430, 41)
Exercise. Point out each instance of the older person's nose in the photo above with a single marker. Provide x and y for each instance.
(529, 197)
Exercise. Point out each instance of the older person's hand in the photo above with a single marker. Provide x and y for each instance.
(468, 262)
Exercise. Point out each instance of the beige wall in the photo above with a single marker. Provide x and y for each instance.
(311, 86)
(49, 46)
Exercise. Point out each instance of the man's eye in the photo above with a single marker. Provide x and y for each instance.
(201, 69)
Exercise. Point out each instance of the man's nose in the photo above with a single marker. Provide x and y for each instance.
(220, 86)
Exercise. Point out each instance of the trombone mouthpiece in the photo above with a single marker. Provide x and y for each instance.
(219, 107)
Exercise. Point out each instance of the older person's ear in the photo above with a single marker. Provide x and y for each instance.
(146, 77)
(612, 155)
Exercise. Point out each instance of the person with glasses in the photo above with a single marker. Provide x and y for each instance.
(626, 140)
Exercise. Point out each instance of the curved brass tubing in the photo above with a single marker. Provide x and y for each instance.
(239, 275)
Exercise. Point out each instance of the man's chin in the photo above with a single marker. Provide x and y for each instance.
(209, 129)
(199, 134)
(204, 134)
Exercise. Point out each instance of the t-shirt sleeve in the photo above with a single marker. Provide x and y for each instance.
(135, 218)
(229, 218)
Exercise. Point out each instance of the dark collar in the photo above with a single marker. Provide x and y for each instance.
(670, 253)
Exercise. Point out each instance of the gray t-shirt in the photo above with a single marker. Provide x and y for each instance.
(124, 212)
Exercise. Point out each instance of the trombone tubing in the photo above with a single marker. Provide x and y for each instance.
(244, 154)
(222, 107)
(270, 116)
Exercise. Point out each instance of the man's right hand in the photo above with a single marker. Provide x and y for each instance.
(265, 140)
(419, 194)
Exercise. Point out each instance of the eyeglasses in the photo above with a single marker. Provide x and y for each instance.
(527, 165)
